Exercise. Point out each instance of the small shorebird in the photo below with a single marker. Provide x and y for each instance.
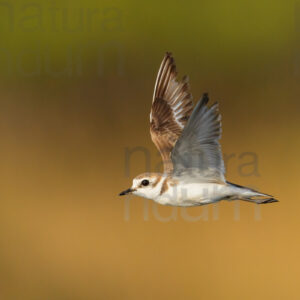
(188, 141)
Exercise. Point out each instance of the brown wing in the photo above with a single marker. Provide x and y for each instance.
(172, 105)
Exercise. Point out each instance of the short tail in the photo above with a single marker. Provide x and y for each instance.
(246, 194)
(264, 200)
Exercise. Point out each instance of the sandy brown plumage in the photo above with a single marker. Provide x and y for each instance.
(168, 182)
(171, 108)
(164, 186)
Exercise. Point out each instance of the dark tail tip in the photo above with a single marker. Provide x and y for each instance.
(269, 200)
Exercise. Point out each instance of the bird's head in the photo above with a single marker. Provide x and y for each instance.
(147, 185)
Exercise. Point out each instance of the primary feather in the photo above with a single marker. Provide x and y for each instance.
(171, 108)
(198, 147)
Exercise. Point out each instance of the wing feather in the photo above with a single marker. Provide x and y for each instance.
(198, 147)
(172, 106)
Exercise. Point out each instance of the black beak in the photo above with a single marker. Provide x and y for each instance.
(126, 192)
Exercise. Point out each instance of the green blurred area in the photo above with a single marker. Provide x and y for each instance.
(221, 34)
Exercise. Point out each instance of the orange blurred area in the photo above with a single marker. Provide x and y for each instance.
(76, 81)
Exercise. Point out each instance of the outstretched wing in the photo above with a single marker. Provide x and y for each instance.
(171, 107)
(198, 147)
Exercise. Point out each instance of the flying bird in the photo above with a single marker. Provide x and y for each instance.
(188, 141)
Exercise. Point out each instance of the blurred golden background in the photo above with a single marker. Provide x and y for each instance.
(76, 81)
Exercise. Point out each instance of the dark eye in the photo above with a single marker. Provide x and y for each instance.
(145, 182)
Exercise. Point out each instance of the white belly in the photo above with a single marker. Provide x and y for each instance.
(191, 194)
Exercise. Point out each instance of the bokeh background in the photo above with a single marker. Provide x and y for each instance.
(76, 81)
